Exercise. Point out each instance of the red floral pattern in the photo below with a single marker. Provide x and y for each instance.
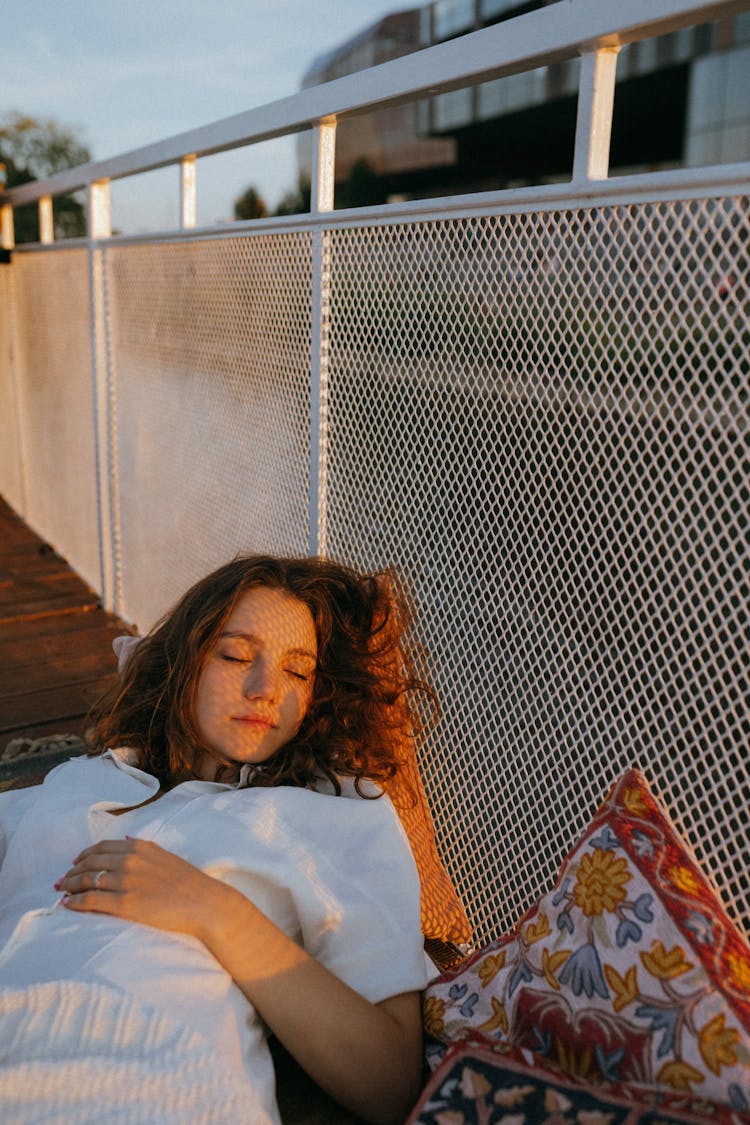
(629, 970)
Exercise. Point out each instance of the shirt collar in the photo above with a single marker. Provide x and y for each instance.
(126, 759)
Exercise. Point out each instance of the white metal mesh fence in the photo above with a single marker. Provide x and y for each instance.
(56, 413)
(542, 418)
(211, 359)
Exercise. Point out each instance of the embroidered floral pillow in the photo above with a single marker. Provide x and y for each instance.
(629, 971)
(481, 1082)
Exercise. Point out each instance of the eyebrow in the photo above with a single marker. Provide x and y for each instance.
(256, 641)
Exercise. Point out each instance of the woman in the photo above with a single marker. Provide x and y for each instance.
(230, 812)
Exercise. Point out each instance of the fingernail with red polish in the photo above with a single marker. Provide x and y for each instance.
(58, 884)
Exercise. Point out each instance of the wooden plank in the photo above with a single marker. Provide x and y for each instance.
(35, 583)
(14, 532)
(72, 626)
(56, 653)
(26, 558)
(61, 703)
(12, 529)
(54, 671)
(22, 649)
(28, 598)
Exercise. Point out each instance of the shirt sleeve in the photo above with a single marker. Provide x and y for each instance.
(356, 891)
(335, 873)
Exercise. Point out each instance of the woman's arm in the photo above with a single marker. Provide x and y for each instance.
(367, 1056)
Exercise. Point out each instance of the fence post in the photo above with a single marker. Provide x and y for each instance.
(596, 97)
(15, 359)
(7, 232)
(46, 221)
(99, 225)
(321, 200)
(187, 192)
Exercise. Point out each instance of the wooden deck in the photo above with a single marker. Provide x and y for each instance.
(55, 644)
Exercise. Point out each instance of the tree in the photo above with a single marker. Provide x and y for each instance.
(295, 202)
(33, 149)
(362, 187)
(250, 205)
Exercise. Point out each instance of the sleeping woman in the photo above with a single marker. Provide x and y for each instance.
(222, 865)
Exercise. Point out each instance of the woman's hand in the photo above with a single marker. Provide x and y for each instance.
(138, 880)
(368, 1056)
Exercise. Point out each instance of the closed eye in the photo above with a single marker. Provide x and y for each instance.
(236, 659)
(303, 676)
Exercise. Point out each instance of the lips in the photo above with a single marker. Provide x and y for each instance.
(257, 722)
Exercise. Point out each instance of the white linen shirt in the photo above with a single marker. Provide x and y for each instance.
(336, 874)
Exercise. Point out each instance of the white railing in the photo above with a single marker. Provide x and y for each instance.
(534, 402)
(591, 29)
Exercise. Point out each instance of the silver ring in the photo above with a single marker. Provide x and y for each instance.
(97, 879)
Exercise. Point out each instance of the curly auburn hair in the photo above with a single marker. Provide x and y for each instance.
(363, 709)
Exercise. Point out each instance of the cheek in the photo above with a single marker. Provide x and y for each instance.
(208, 695)
(300, 704)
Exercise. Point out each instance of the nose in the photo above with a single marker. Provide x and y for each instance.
(261, 681)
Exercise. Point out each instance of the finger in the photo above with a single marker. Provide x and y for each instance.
(88, 882)
(88, 874)
(109, 854)
(107, 847)
(93, 902)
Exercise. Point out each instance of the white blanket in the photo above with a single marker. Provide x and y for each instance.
(77, 1053)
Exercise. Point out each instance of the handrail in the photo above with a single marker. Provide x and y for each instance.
(646, 187)
(547, 35)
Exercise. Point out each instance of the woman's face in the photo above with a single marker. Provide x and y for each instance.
(257, 681)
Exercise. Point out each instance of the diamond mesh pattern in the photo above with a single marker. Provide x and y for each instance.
(53, 332)
(543, 420)
(211, 341)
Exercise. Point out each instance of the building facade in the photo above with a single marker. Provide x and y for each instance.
(682, 99)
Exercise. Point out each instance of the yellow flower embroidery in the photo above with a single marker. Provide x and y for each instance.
(679, 1075)
(665, 964)
(716, 1043)
(625, 989)
(740, 970)
(535, 931)
(498, 1020)
(433, 1013)
(551, 963)
(600, 882)
(491, 966)
(580, 1066)
(684, 880)
(634, 802)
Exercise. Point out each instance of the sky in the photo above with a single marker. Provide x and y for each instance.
(125, 74)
